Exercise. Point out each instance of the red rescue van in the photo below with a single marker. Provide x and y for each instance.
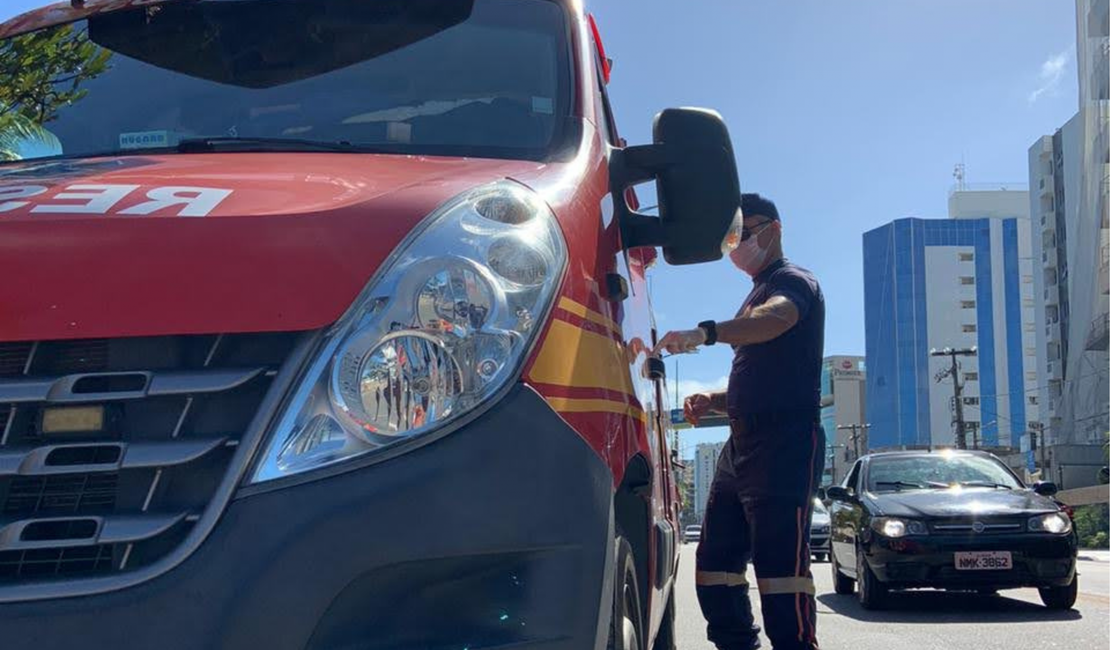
(324, 324)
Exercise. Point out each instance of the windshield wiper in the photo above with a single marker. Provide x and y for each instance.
(911, 484)
(985, 484)
(235, 143)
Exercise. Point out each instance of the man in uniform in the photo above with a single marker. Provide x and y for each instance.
(762, 495)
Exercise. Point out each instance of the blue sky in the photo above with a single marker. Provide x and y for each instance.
(848, 113)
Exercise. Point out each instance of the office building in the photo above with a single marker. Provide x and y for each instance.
(962, 282)
(705, 465)
(843, 404)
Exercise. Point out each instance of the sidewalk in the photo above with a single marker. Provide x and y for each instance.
(1092, 555)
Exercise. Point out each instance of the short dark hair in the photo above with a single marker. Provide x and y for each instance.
(753, 204)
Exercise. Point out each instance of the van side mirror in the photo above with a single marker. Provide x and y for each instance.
(838, 493)
(694, 169)
(1045, 488)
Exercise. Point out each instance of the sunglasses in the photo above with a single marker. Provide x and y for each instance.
(746, 233)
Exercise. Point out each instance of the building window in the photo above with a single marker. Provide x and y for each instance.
(965, 280)
(968, 328)
(1031, 376)
(967, 257)
(1029, 327)
(1027, 279)
(1030, 352)
(967, 304)
(1033, 399)
(971, 376)
(971, 401)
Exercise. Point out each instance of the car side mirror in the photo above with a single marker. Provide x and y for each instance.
(838, 493)
(1045, 488)
(694, 169)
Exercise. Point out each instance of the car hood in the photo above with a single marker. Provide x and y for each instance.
(189, 244)
(819, 519)
(959, 502)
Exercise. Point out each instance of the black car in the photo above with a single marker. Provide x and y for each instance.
(958, 520)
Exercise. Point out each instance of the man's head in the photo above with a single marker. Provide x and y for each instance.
(761, 241)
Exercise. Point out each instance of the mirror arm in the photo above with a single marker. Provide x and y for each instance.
(628, 167)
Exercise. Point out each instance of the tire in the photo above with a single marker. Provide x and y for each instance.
(1060, 598)
(819, 557)
(842, 584)
(626, 631)
(872, 594)
(665, 639)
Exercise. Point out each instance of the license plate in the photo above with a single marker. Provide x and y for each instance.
(984, 561)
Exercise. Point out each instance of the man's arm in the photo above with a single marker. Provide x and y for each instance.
(764, 323)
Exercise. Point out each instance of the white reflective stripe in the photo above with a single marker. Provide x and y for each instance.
(720, 579)
(770, 586)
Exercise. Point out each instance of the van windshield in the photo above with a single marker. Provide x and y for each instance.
(482, 78)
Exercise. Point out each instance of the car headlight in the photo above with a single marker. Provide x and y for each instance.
(440, 330)
(1054, 522)
(894, 527)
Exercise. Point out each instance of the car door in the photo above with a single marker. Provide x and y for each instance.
(845, 518)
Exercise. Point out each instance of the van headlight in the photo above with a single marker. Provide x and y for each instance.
(1055, 522)
(443, 327)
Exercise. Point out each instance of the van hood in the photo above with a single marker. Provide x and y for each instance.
(206, 243)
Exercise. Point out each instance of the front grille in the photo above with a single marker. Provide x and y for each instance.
(977, 527)
(116, 490)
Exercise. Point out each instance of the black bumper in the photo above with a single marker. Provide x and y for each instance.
(819, 542)
(497, 535)
(1038, 561)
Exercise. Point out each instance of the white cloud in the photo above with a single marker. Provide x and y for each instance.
(1052, 72)
(687, 387)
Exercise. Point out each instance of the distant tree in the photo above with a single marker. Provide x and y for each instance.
(40, 73)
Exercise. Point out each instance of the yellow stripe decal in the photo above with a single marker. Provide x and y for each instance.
(582, 311)
(572, 356)
(573, 405)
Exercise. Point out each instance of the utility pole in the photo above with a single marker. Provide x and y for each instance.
(857, 430)
(954, 372)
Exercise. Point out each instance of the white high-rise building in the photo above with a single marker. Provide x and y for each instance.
(1069, 174)
(705, 465)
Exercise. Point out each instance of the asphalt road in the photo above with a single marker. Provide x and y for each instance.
(935, 620)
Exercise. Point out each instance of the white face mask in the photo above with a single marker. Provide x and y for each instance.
(749, 256)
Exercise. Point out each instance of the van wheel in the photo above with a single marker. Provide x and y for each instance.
(665, 639)
(1060, 598)
(842, 584)
(627, 629)
(872, 593)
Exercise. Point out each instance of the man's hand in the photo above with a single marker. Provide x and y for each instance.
(680, 341)
(696, 406)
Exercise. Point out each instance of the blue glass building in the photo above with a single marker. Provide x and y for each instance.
(960, 282)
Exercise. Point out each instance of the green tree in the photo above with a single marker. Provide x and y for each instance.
(1092, 525)
(40, 73)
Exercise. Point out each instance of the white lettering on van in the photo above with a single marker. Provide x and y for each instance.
(98, 199)
(197, 201)
(18, 192)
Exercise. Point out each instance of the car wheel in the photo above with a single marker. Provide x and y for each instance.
(819, 557)
(665, 639)
(842, 584)
(872, 593)
(626, 631)
(1060, 598)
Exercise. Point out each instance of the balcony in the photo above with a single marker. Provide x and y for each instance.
(1104, 269)
(1052, 295)
(1056, 369)
(1052, 332)
(1048, 221)
(1049, 257)
(1046, 188)
(1098, 336)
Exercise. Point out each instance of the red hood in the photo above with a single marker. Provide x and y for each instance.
(187, 244)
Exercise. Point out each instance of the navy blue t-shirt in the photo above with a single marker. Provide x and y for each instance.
(783, 374)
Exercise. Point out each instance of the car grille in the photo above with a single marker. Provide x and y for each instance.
(111, 449)
(976, 527)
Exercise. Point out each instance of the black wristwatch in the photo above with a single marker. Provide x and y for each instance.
(710, 329)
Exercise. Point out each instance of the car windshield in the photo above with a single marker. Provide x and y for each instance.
(937, 471)
(483, 78)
